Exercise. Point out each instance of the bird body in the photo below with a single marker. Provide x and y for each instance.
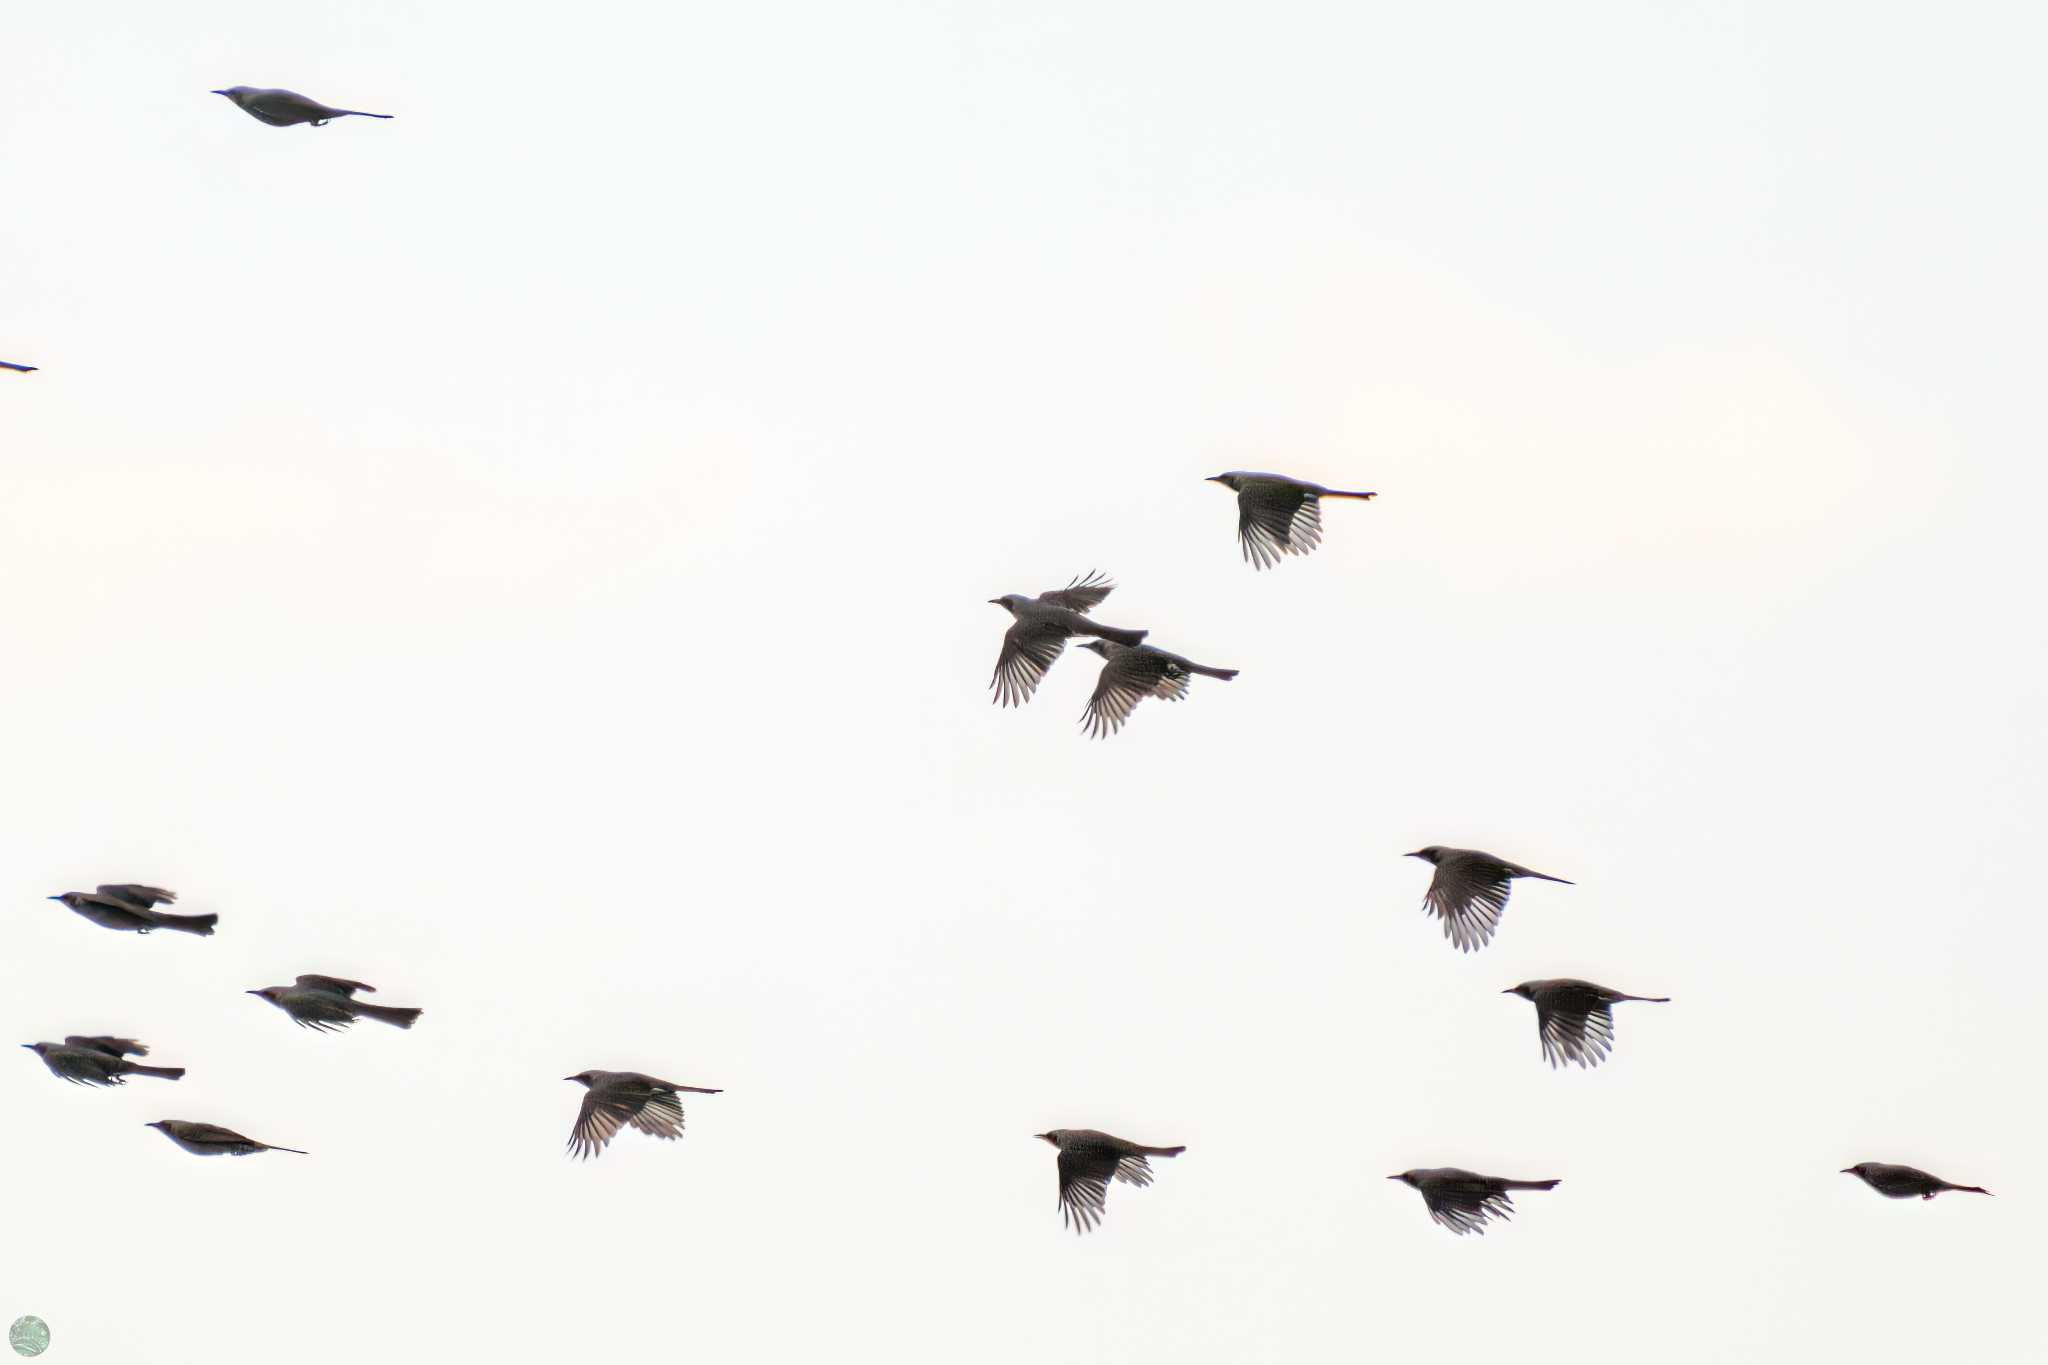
(328, 1003)
(1088, 1161)
(129, 907)
(1469, 891)
(1277, 515)
(283, 108)
(617, 1098)
(98, 1061)
(208, 1139)
(1463, 1200)
(1131, 673)
(1039, 630)
(1903, 1182)
(1574, 1018)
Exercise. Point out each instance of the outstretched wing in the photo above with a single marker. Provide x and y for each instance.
(599, 1120)
(336, 985)
(1084, 1186)
(1084, 594)
(1575, 1026)
(1275, 519)
(1127, 679)
(1029, 649)
(661, 1116)
(1468, 895)
(1463, 1209)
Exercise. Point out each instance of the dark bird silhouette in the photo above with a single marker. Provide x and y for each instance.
(1903, 1182)
(1469, 891)
(128, 907)
(1131, 673)
(1574, 1018)
(98, 1061)
(1277, 515)
(328, 1003)
(18, 369)
(1040, 630)
(283, 108)
(626, 1097)
(1463, 1201)
(1088, 1161)
(207, 1139)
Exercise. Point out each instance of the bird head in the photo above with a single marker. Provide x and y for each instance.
(233, 92)
(1008, 601)
(1428, 855)
(161, 1125)
(584, 1078)
(1229, 480)
(1052, 1136)
(1407, 1177)
(1857, 1170)
(1527, 990)
(36, 1048)
(269, 993)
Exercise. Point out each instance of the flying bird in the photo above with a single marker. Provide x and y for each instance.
(283, 108)
(1903, 1182)
(1131, 673)
(1469, 891)
(1088, 1161)
(18, 369)
(1277, 515)
(1574, 1018)
(128, 906)
(98, 1061)
(1463, 1201)
(1040, 630)
(328, 1003)
(207, 1139)
(626, 1097)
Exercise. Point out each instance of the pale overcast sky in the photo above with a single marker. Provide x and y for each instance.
(532, 555)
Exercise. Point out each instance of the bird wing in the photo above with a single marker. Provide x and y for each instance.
(1134, 1170)
(134, 893)
(604, 1110)
(1575, 1027)
(1084, 594)
(317, 1009)
(1275, 519)
(113, 1047)
(661, 1116)
(1127, 678)
(209, 1132)
(1468, 894)
(1465, 1207)
(1084, 1187)
(336, 985)
(1029, 649)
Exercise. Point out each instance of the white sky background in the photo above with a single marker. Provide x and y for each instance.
(531, 555)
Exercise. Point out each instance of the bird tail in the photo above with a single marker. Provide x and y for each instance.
(201, 925)
(1334, 493)
(388, 1014)
(293, 1150)
(1546, 877)
(168, 1073)
(1529, 1184)
(1224, 673)
(361, 113)
(1130, 639)
(1649, 999)
(1968, 1189)
(1163, 1151)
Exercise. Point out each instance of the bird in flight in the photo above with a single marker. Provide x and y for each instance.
(1574, 1018)
(1463, 1201)
(1903, 1182)
(1469, 891)
(626, 1097)
(207, 1139)
(328, 1003)
(1088, 1161)
(1131, 673)
(98, 1061)
(129, 907)
(283, 108)
(1277, 515)
(1040, 629)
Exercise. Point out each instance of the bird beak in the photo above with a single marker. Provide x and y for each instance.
(216, 92)
(1393, 1177)
(30, 1046)
(1416, 854)
(1846, 1170)
(53, 898)
(568, 1078)
(1214, 478)
(995, 601)
(1509, 991)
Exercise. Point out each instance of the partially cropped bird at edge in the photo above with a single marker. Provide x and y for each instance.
(1131, 673)
(1039, 631)
(1276, 515)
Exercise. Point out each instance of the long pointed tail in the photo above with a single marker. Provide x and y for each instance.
(1544, 877)
(360, 113)
(1224, 673)
(168, 1073)
(1131, 638)
(293, 1150)
(388, 1014)
(1335, 493)
(1530, 1184)
(1967, 1189)
(1650, 999)
(1163, 1151)
(201, 925)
